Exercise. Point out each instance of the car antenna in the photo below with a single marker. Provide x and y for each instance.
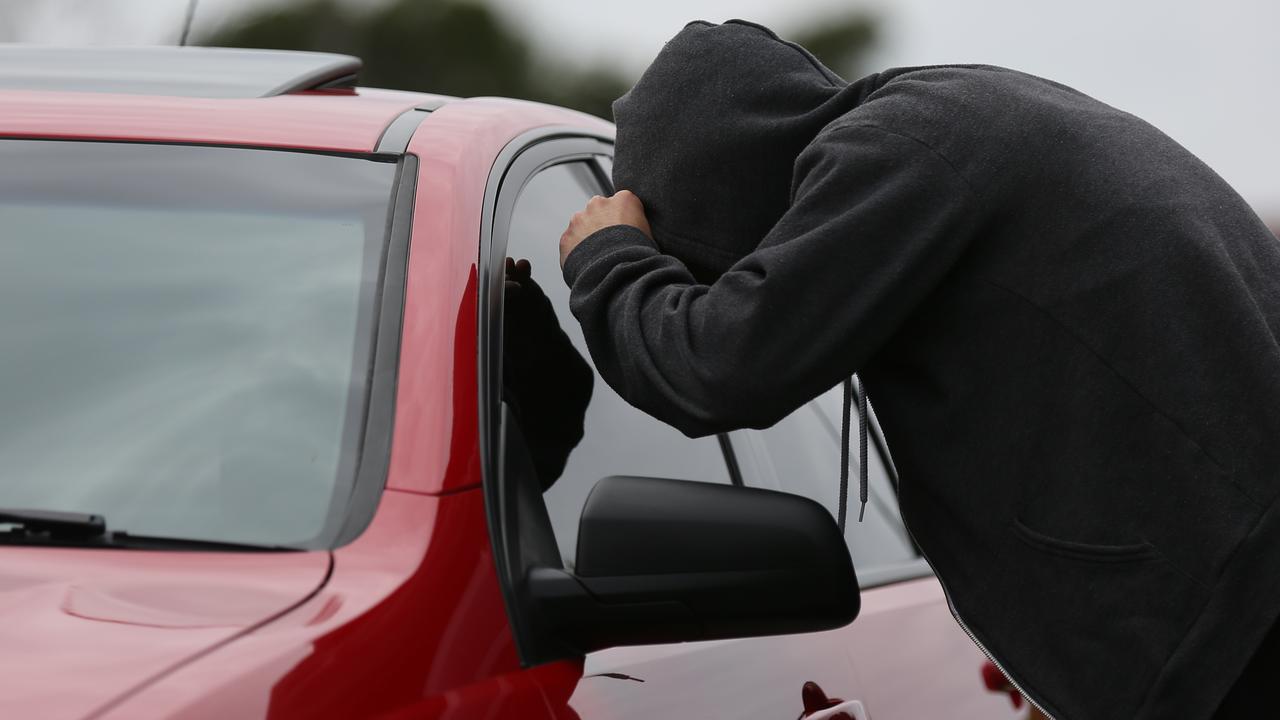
(186, 25)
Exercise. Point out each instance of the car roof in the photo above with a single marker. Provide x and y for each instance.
(183, 71)
(350, 121)
(300, 100)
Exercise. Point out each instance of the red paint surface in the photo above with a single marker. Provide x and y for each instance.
(410, 618)
(411, 621)
(349, 122)
(80, 627)
(914, 659)
(436, 445)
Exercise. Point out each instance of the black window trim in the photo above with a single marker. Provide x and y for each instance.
(515, 166)
(348, 520)
(396, 135)
(518, 162)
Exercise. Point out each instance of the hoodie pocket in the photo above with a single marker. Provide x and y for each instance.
(1151, 492)
(1083, 551)
(1099, 469)
(1088, 626)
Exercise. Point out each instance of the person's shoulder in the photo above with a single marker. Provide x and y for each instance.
(967, 89)
(959, 78)
(957, 108)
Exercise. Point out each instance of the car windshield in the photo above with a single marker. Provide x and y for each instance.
(186, 334)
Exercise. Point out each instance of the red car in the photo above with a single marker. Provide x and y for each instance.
(261, 458)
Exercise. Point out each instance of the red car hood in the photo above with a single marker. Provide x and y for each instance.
(80, 628)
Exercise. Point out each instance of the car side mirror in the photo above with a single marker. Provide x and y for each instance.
(660, 561)
(663, 561)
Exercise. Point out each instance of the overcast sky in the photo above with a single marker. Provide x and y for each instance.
(1206, 73)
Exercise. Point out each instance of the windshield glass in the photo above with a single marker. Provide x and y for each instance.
(186, 334)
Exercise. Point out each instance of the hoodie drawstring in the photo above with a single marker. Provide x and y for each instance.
(853, 388)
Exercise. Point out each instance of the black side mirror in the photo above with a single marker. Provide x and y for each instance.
(663, 561)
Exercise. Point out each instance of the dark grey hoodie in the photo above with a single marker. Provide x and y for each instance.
(1066, 322)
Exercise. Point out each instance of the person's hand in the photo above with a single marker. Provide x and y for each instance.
(529, 319)
(519, 273)
(624, 208)
(544, 378)
(818, 705)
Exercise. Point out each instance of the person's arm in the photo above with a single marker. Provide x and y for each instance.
(877, 218)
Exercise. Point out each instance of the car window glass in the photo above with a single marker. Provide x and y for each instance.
(606, 163)
(187, 333)
(801, 455)
(618, 439)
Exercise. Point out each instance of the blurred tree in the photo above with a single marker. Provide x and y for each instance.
(462, 47)
(840, 43)
(453, 47)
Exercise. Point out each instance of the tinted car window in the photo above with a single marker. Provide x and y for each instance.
(801, 455)
(618, 439)
(186, 333)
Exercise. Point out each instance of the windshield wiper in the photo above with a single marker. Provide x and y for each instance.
(122, 539)
(71, 529)
(55, 523)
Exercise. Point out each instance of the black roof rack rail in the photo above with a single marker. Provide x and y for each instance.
(182, 71)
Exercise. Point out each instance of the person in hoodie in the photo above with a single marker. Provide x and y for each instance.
(1069, 327)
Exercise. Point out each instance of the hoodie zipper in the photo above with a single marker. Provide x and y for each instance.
(959, 621)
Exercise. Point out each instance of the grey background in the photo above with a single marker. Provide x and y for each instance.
(1206, 73)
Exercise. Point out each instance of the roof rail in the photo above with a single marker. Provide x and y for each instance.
(183, 71)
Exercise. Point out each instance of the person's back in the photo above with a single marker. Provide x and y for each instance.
(1088, 395)
(1067, 325)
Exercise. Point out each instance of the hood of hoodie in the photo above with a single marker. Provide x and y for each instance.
(709, 135)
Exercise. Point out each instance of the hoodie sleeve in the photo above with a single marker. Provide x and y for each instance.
(877, 218)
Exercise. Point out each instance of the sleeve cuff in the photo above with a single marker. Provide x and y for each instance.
(599, 243)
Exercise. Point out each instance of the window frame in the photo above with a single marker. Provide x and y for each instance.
(517, 164)
(374, 462)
